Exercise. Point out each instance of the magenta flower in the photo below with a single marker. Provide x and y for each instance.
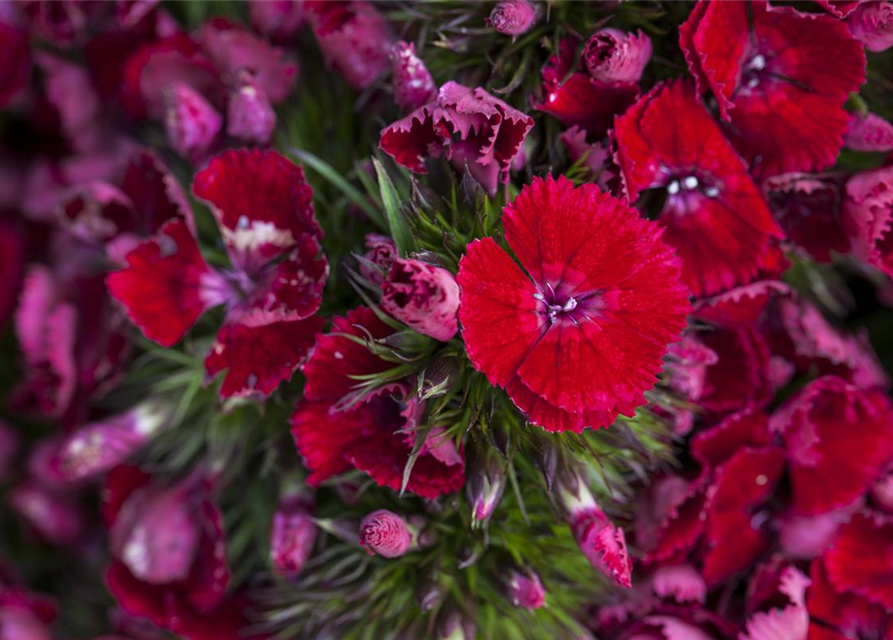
(292, 536)
(869, 132)
(250, 116)
(872, 24)
(423, 297)
(526, 590)
(376, 263)
(868, 214)
(192, 123)
(512, 17)
(614, 57)
(413, 85)
(279, 20)
(386, 534)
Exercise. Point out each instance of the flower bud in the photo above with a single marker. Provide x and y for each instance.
(512, 17)
(250, 116)
(614, 57)
(292, 536)
(378, 259)
(485, 483)
(97, 447)
(55, 516)
(424, 297)
(869, 132)
(192, 123)
(413, 85)
(156, 534)
(526, 590)
(277, 19)
(385, 533)
(872, 25)
(603, 544)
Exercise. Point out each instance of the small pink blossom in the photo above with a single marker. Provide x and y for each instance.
(872, 25)
(614, 57)
(250, 116)
(413, 85)
(385, 533)
(192, 123)
(380, 254)
(526, 590)
(292, 536)
(424, 297)
(869, 132)
(512, 17)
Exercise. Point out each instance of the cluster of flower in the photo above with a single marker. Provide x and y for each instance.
(494, 330)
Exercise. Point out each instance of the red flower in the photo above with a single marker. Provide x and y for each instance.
(714, 214)
(15, 54)
(273, 292)
(861, 559)
(169, 555)
(353, 37)
(582, 338)
(808, 209)
(578, 98)
(337, 428)
(843, 614)
(839, 440)
(780, 78)
(468, 126)
(783, 613)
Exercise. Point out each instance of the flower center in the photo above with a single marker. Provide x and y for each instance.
(559, 305)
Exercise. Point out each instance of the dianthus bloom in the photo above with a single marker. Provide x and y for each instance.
(714, 214)
(869, 132)
(581, 339)
(468, 126)
(526, 590)
(780, 78)
(512, 17)
(868, 215)
(413, 85)
(263, 207)
(338, 425)
(872, 25)
(613, 56)
(422, 296)
(385, 533)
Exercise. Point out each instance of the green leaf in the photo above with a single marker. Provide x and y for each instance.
(396, 220)
(350, 192)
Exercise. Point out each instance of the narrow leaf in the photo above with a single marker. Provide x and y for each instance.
(396, 220)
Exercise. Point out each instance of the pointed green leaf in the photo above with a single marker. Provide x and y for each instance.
(397, 222)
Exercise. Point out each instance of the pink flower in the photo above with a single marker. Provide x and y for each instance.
(860, 561)
(52, 514)
(872, 24)
(868, 216)
(614, 57)
(839, 614)
(279, 20)
(869, 132)
(467, 126)
(512, 17)
(386, 534)
(250, 116)
(192, 123)
(353, 37)
(413, 85)
(423, 297)
(603, 543)
(595, 157)
(605, 280)
(526, 590)
(263, 207)
(376, 263)
(780, 78)
(292, 536)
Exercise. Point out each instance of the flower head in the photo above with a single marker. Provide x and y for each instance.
(869, 132)
(385, 533)
(192, 123)
(413, 85)
(581, 339)
(512, 17)
(468, 126)
(614, 57)
(526, 590)
(868, 216)
(423, 297)
(292, 536)
(714, 215)
(780, 78)
(871, 23)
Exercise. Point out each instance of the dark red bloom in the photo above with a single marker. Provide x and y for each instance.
(839, 8)
(714, 214)
(468, 126)
(861, 559)
(273, 291)
(578, 98)
(779, 611)
(808, 209)
(355, 40)
(423, 297)
(15, 61)
(338, 427)
(780, 78)
(581, 339)
(842, 614)
(839, 441)
(169, 555)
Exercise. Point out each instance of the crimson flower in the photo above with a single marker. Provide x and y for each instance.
(714, 215)
(337, 429)
(780, 78)
(868, 216)
(15, 67)
(579, 337)
(263, 207)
